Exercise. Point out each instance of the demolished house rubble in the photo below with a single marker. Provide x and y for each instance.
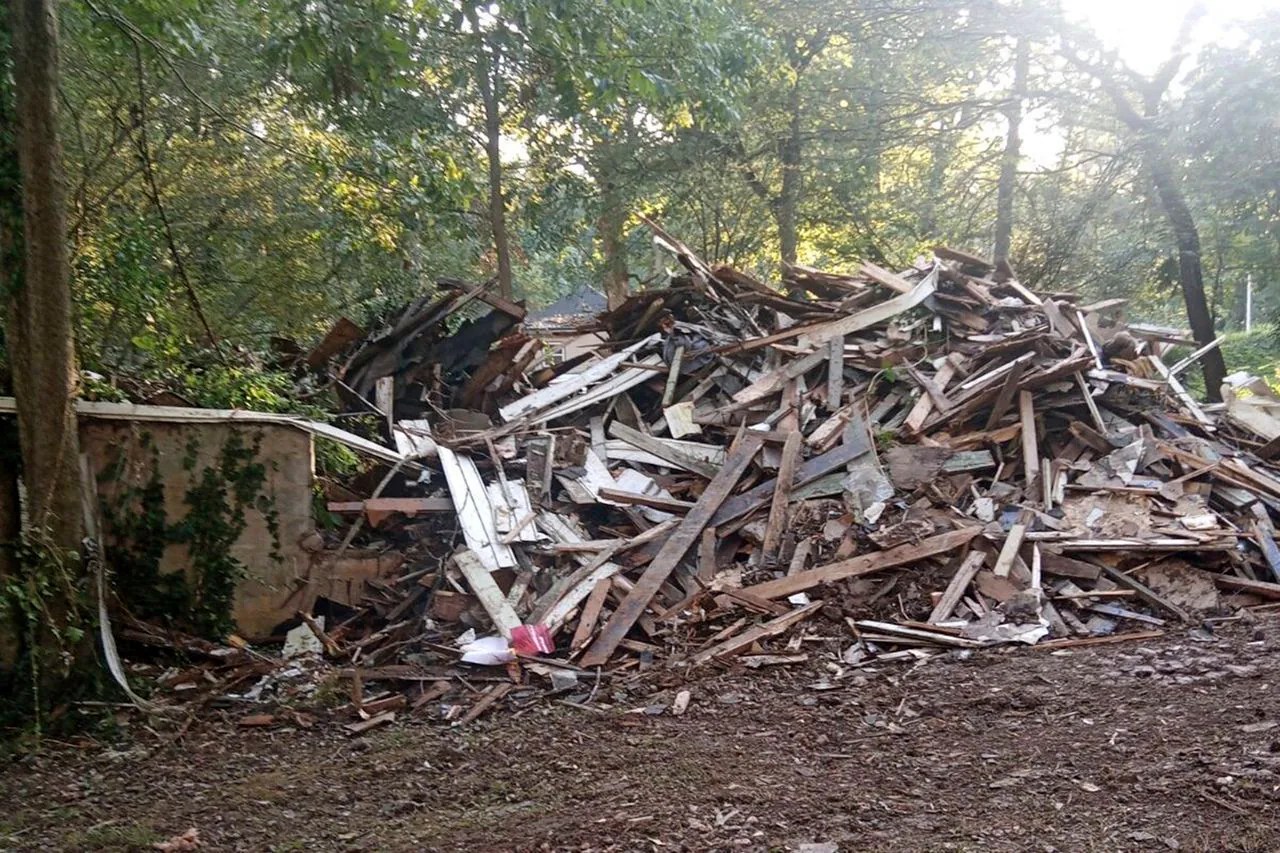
(848, 469)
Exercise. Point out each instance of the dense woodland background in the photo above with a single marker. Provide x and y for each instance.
(239, 169)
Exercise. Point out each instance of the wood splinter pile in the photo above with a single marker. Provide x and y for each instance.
(867, 467)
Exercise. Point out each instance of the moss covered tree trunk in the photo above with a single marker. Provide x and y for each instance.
(39, 338)
(44, 583)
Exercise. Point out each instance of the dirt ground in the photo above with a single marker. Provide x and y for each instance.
(1165, 744)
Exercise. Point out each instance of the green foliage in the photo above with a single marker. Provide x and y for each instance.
(47, 600)
(1256, 351)
(317, 159)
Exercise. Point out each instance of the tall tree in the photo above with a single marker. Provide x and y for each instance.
(36, 280)
(1012, 151)
(489, 73)
(1138, 102)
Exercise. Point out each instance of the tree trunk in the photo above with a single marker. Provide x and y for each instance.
(39, 334)
(613, 246)
(1012, 152)
(1239, 303)
(487, 78)
(10, 530)
(1190, 270)
(784, 207)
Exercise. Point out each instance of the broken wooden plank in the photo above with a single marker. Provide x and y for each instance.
(386, 506)
(1007, 392)
(571, 383)
(773, 382)
(1091, 404)
(1073, 642)
(868, 317)
(924, 405)
(1066, 567)
(864, 565)
(955, 590)
(1181, 393)
(653, 501)
(1147, 594)
(672, 552)
(835, 373)
(1264, 589)
(1030, 448)
(1088, 339)
(810, 471)
(475, 514)
(934, 637)
(486, 590)
(745, 640)
(884, 277)
(822, 332)
(590, 614)
(1267, 543)
(362, 726)
(1009, 551)
(666, 449)
(782, 495)
(491, 696)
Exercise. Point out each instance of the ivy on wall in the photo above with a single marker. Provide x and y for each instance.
(217, 500)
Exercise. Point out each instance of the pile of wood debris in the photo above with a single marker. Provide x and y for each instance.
(849, 468)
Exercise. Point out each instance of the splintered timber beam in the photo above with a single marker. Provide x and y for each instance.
(743, 641)
(1030, 449)
(955, 590)
(782, 494)
(823, 332)
(672, 552)
(809, 471)
(865, 565)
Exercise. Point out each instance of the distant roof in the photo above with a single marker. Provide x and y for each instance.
(586, 301)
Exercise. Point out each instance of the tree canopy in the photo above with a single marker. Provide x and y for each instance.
(239, 170)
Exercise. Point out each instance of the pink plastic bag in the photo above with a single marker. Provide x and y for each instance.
(531, 640)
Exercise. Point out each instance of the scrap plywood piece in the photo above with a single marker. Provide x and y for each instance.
(679, 418)
(671, 553)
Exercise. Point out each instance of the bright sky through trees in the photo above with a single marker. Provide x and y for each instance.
(1142, 30)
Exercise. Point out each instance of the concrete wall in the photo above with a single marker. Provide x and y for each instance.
(275, 568)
